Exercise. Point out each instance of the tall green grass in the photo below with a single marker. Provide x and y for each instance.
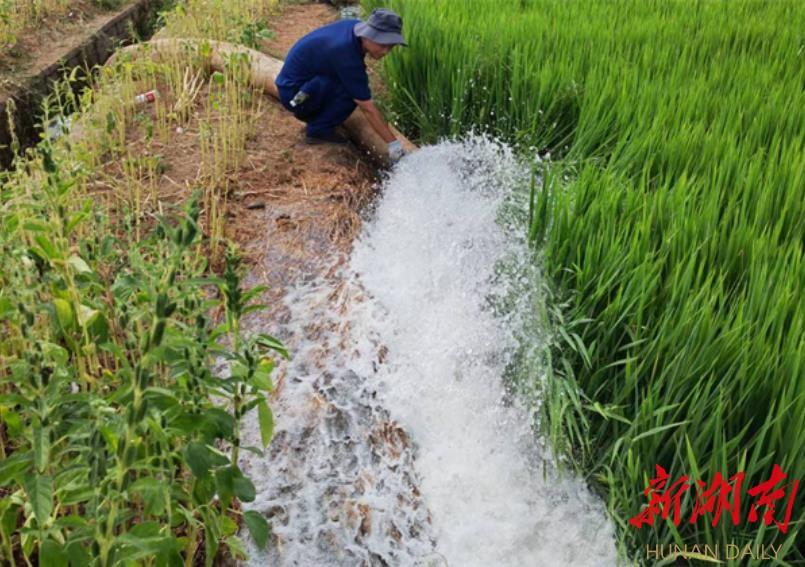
(671, 223)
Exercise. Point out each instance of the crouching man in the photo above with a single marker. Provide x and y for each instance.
(324, 77)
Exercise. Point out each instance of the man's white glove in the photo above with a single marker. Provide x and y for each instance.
(396, 151)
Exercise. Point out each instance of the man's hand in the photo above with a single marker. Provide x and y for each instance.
(375, 119)
(396, 151)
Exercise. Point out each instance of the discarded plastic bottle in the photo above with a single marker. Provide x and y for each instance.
(150, 96)
(300, 97)
(57, 127)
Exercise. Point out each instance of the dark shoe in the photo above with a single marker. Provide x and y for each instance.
(328, 138)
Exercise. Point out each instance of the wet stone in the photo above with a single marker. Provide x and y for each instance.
(339, 475)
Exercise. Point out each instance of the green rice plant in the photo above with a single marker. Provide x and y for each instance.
(669, 224)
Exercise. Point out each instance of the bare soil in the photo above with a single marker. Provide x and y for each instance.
(294, 22)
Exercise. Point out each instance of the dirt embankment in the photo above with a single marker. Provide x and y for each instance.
(295, 201)
(81, 37)
(287, 201)
(337, 452)
(299, 206)
(45, 45)
(307, 189)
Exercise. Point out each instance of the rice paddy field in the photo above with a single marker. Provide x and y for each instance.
(668, 213)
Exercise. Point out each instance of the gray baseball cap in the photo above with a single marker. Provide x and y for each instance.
(383, 26)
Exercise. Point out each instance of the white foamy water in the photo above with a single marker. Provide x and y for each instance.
(397, 441)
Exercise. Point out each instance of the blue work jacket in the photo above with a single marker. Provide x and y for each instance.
(333, 51)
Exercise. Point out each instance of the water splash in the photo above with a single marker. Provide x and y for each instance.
(398, 441)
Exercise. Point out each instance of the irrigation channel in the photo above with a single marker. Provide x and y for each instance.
(397, 440)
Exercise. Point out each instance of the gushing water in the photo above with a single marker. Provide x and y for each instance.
(398, 441)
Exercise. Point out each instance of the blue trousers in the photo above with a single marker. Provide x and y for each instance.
(327, 107)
